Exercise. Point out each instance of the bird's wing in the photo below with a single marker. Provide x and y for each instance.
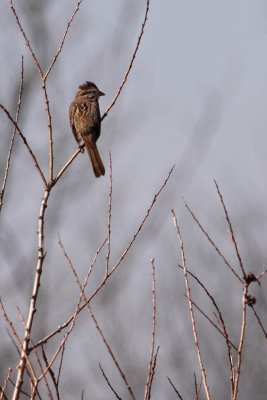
(72, 111)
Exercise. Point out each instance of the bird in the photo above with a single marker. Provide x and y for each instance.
(85, 121)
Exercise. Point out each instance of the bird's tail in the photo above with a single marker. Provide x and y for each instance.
(96, 161)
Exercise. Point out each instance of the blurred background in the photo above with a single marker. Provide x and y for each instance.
(196, 98)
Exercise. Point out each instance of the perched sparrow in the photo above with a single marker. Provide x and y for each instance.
(85, 122)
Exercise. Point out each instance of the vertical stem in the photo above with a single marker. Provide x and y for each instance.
(241, 342)
(36, 286)
(50, 133)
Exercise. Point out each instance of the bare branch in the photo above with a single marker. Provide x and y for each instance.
(211, 322)
(231, 230)
(63, 39)
(142, 222)
(100, 331)
(68, 163)
(241, 342)
(25, 142)
(51, 373)
(109, 213)
(18, 343)
(69, 320)
(131, 63)
(3, 388)
(109, 384)
(188, 292)
(50, 134)
(152, 351)
(174, 388)
(212, 243)
(36, 62)
(259, 322)
(13, 136)
(223, 329)
(36, 286)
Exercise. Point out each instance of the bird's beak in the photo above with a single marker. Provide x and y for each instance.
(100, 93)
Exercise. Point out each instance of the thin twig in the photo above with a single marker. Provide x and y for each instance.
(60, 365)
(69, 320)
(153, 369)
(51, 373)
(13, 136)
(109, 384)
(188, 292)
(36, 62)
(212, 243)
(17, 341)
(63, 40)
(121, 258)
(3, 388)
(212, 323)
(109, 213)
(195, 385)
(131, 62)
(259, 322)
(241, 342)
(152, 351)
(25, 142)
(174, 388)
(100, 331)
(50, 134)
(231, 230)
(223, 330)
(67, 164)
(22, 391)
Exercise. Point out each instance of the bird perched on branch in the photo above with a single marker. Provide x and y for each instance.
(85, 122)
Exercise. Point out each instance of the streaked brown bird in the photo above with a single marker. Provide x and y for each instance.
(85, 122)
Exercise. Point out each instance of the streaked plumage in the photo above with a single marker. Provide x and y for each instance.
(85, 122)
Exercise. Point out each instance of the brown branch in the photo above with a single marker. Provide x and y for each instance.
(3, 388)
(43, 78)
(212, 323)
(131, 63)
(51, 373)
(188, 292)
(231, 230)
(241, 342)
(121, 258)
(109, 213)
(13, 136)
(174, 388)
(212, 243)
(60, 365)
(50, 134)
(152, 351)
(63, 40)
(98, 328)
(35, 384)
(36, 62)
(67, 164)
(35, 291)
(17, 341)
(25, 142)
(153, 369)
(223, 330)
(109, 384)
(259, 322)
(69, 320)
